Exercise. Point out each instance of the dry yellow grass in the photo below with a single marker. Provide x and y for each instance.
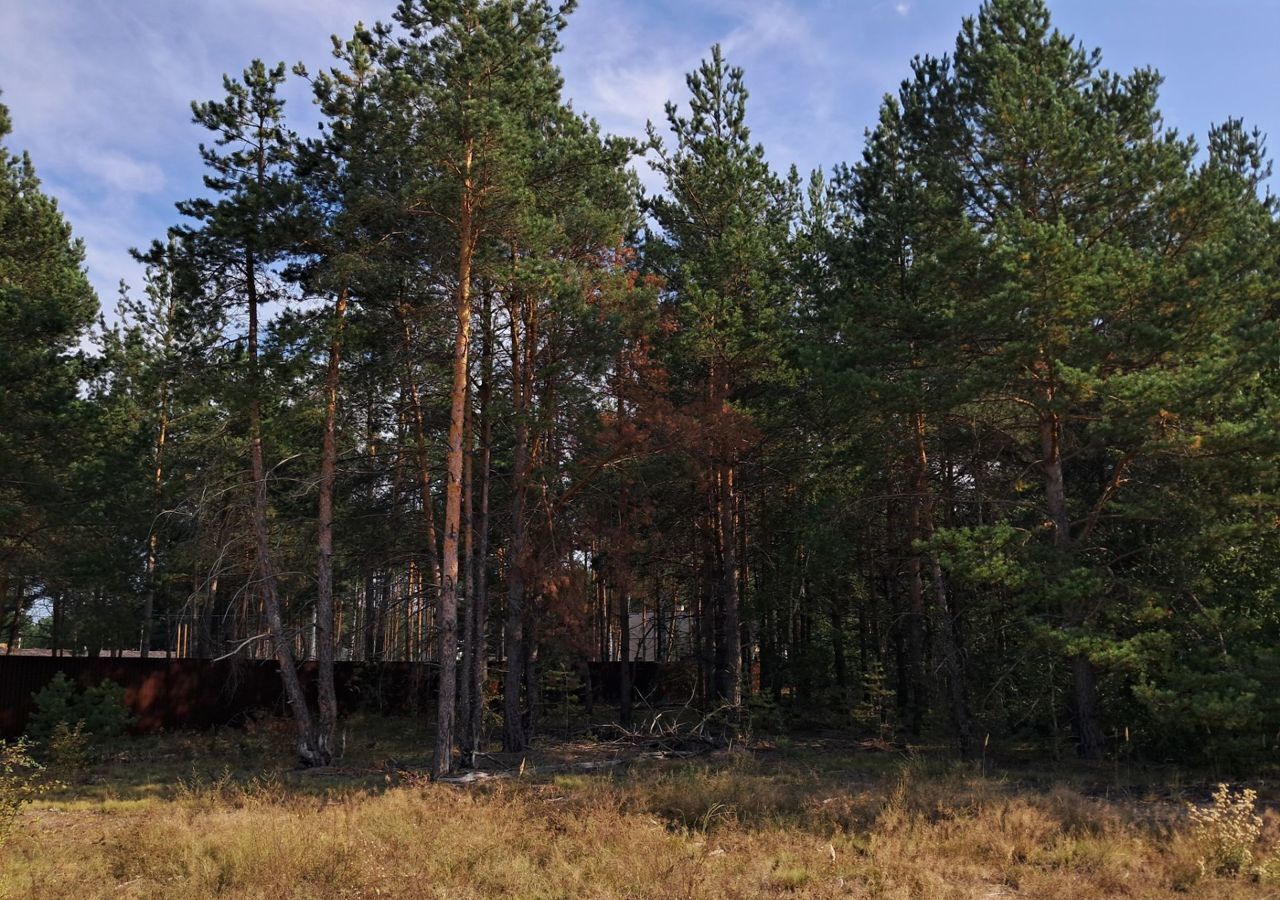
(740, 825)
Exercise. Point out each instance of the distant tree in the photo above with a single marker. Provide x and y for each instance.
(46, 310)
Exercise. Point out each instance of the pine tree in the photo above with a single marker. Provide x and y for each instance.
(46, 308)
(344, 175)
(483, 72)
(899, 247)
(722, 231)
(247, 228)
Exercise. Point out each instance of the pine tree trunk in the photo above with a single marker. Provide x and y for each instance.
(466, 572)
(370, 617)
(948, 633)
(837, 647)
(624, 659)
(476, 652)
(916, 611)
(55, 624)
(659, 623)
(622, 576)
(447, 606)
(532, 689)
(1084, 685)
(728, 640)
(311, 747)
(747, 629)
(514, 737)
(603, 626)
(327, 698)
(708, 604)
(957, 686)
(16, 621)
(153, 539)
(420, 446)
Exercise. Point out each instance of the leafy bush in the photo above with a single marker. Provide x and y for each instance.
(1227, 830)
(68, 748)
(20, 782)
(101, 708)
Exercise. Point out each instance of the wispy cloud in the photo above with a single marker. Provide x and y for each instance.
(100, 92)
(121, 172)
(633, 94)
(100, 89)
(769, 26)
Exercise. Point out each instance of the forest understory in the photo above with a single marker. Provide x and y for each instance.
(202, 815)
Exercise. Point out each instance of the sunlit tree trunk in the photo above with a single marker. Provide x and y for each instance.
(447, 605)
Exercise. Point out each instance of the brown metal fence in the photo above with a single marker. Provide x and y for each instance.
(198, 693)
(168, 694)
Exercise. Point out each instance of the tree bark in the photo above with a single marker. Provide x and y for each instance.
(948, 633)
(153, 539)
(603, 625)
(16, 622)
(466, 605)
(918, 467)
(728, 674)
(514, 737)
(837, 646)
(55, 629)
(476, 654)
(708, 604)
(1084, 685)
(419, 446)
(957, 680)
(624, 658)
(311, 747)
(447, 606)
(327, 698)
(659, 623)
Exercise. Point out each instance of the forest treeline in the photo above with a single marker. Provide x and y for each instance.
(973, 439)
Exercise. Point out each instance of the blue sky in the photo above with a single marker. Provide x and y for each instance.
(99, 90)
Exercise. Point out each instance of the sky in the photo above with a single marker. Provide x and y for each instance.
(100, 90)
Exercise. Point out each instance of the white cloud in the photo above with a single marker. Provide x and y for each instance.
(633, 95)
(99, 92)
(767, 26)
(100, 89)
(121, 172)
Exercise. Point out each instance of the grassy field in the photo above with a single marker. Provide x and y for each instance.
(196, 816)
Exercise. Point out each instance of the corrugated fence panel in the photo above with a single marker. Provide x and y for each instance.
(166, 694)
(198, 693)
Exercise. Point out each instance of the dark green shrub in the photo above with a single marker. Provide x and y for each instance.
(101, 708)
(561, 698)
(764, 716)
